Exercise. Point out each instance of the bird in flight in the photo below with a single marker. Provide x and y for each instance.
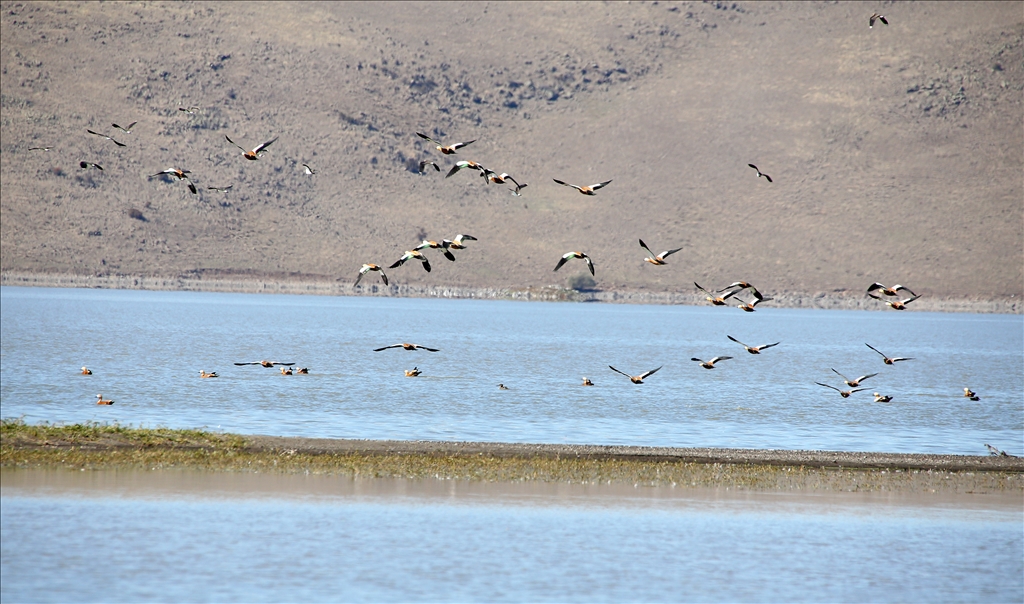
(660, 258)
(715, 300)
(569, 255)
(895, 304)
(85, 165)
(425, 163)
(371, 267)
(752, 349)
(434, 245)
(305, 167)
(856, 382)
(750, 307)
(587, 190)
(888, 360)
(39, 148)
(189, 110)
(418, 255)
(760, 173)
(874, 17)
(180, 175)
(459, 165)
(255, 153)
(456, 244)
(445, 149)
(516, 191)
(119, 144)
(126, 129)
(636, 379)
(265, 363)
(220, 189)
(889, 291)
(406, 346)
(500, 179)
(842, 393)
(709, 364)
(739, 286)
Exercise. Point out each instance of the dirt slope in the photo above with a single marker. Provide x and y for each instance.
(896, 151)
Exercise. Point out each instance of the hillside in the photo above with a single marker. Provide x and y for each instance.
(896, 152)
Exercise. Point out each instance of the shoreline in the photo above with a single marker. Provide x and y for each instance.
(321, 287)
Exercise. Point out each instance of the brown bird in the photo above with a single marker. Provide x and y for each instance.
(888, 360)
(739, 286)
(406, 346)
(889, 291)
(434, 245)
(86, 371)
(502, 387)
(409, 255)
(709, 364)
(842, 393)
(716, 300)
(660, 258)
(856, 382)
(456, 244)
(760, 173)
(203, 374)
(569, 255)
(500, 179)
(107, 137)
(895, 304)
(446, 149)
(750, 307)
(874, 17)
(882, 399)
(752, 349)
(286, 371)
(587, 190)
(86, 165)
(371, 267)
(100, 400)
(518, 188)
(636, 379)
(180, 175)
(266, 363)
(415, 371)
(425, 163)
(587, 382)
(968, 393)
(255, 153)
(302, 371)
(126, 130)
(472, 165)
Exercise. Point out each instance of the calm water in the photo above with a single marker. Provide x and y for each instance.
(146, 349)
(453, 543)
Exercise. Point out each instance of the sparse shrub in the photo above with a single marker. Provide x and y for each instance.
(582, 282)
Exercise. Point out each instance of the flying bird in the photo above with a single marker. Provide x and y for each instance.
(842, 393)
(739, 286)
(709, 364)
(459, 165)
(189, 110)
(456, 244)
(406, 346)
(636, 379)
(371, 267)
(126, 129)
(425, 163)
(85, 165)
(434, 245)
(856, 382)
(305, 168)
(567, 256)
(874, 17)
(760, 173)
(895, 304)
(203, 374)
(409, 256)
(255, 153)
(715, 300)
(752, 349)
(889, 291)
(750, 307)
(500, 179)
(107, 137)
(180, 175)
(100, 400)
(587, 190)
(220, 189)
(660, 258)
(446, 149)
(888, 360)
(266, 363)
(516, 191)
(39, 148)
(415, 371)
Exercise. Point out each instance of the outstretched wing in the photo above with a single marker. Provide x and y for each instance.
(644, 245)
(562, 261)
(827, 386)
(845, 379)
(386, 347)
(430, 349)
(259, 149)
(421, 135)
(716, 359)
(617, 371)
(737, 341)
(599, 185)
(461, 145)
(668, 253)
(235, 144)
(651, 372)
(590, 264)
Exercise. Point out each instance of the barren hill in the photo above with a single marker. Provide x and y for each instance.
(896, 151)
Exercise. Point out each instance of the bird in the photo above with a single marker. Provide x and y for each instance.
(86, 371)
(180, 175)
(968, 393)
(636, 379)
(86, 165)
(750, 307)
(713, 299)
(126, 129)
(738, 286)
(587, 190)
(856, 382)
(500, 179)
(220, 189)
(309, 171)
(266, 363)
(895, 304)
(406, 346)
(888, 360)
(119, 144)
(882, 399)
(302, 371)
(587, 382)
(760, 173)
(456, 244)
(445, 149)
(889, 291)
(189, 110)
(519, 187)
(994, 451)
(434, 245)
(874, 17)
(459, 165)
(410, 255)
(415, 371)
(752, 349)
(842, 393)
(371, 267)
(100, 400)
(709, 364)
(569, 255)
(660, 258)
(502, 387)
(425, 163)
(255, 153)
(39, 148)
(203, 374)
(286, 371)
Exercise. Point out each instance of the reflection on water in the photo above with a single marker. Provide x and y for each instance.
(146, 350)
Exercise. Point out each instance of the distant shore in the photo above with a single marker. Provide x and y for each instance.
(302, 286)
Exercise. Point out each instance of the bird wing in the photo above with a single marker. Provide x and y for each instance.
(565, 184)
(894, 359)
(644, 245)
(564, 259)
(191, 187)
(874, 286)
(254, 363)
(221, 189)
(383, 276)
(845, 379)
(617, 371)
(875, 349)
(716, 359)
(421, 135)
(386, 347)
(706, 292)
(599, 185)
(426, 263)
(768, 346)
(461, 145)
(696, 359)
(864, 377)
(401, 260)
(651, 372)
(827, 386)
(425, 348)
(899, 287)
(766, 177)
(737, 341)
(234, 143)
(264, 146)
(590, 264)
(668, 253)
(449, 255)
(909, 300)
(460, 237)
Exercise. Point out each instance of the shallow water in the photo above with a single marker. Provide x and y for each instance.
(146, 350)
(168, 536)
